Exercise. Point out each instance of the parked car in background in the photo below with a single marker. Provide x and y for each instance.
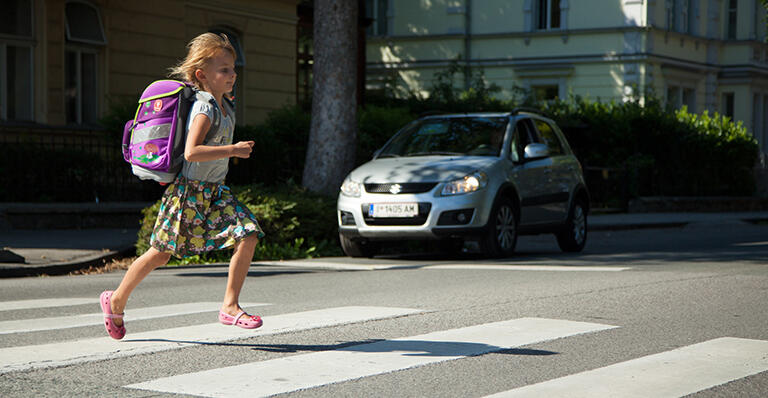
(487, 177)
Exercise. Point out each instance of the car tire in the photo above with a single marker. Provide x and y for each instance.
(355, 248)
(574, 236)
(501, 237)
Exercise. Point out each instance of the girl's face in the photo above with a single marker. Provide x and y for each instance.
(218, 75)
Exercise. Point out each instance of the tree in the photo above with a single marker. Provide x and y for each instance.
(332, 137)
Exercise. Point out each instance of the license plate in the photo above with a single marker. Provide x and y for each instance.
(391, 210)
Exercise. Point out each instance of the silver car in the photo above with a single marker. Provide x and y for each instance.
(487, 177)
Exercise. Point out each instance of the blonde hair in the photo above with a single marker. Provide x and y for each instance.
(201, 50)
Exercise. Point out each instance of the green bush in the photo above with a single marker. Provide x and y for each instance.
(296, 223)
(661, 152)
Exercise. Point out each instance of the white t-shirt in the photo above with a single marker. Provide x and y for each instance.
(213, 170)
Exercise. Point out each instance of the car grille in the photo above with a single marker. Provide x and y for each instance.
(420, 219)
(406, 187)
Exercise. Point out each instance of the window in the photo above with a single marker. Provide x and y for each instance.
(465, 136)
(728, 104)
(84, 24)
(683, 22)
(16, 61)
(85, 36)
(549, 137)
(238, 90)
(681, 16)
(377, 10)
(545, 93)
(521, 138)
(677, 97)
(730, 19)
(548, 13)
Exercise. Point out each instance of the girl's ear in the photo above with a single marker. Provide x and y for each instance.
(199, 75)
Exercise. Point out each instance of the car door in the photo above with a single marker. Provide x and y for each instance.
(555, 188)
(527, 174)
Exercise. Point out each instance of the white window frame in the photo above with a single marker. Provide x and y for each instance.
(374, 14)
(724, 105)
(728, 11)
(81, 46)
(529, 83)
(548, 16)
(79, 96)
(684, 25)
(680, 90)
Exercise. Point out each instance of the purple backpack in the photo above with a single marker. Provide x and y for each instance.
(153, 142)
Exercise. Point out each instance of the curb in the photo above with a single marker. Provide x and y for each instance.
(64, 267)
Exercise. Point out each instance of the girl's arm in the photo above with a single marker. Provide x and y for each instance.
(195, 151)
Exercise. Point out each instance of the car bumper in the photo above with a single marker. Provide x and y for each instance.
(439, 216)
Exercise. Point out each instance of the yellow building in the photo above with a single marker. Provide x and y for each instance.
(61, 62)
(706, 54)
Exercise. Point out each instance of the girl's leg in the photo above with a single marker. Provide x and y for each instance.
(140, 268)
(238, 270)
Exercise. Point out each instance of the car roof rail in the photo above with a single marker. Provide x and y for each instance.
(527, 109)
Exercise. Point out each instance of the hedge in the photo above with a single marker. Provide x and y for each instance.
(296, 223)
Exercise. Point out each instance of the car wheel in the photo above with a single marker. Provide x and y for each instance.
(574, 236)
(501, 238)
(354, 248)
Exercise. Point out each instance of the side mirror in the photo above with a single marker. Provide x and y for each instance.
(536, 151)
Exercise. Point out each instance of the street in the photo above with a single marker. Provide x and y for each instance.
(647, 312)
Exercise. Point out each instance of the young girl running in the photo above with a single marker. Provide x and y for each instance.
(198, 213)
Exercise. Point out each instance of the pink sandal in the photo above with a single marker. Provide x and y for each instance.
(249, 322)
(116, 332)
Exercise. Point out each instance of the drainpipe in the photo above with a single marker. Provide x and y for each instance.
(467, 43)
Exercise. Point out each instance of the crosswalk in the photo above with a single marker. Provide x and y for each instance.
(673, 373)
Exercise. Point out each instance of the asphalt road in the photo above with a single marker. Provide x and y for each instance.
(655, 312)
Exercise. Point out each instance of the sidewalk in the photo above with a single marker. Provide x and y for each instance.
(60, 251)
(52, 251)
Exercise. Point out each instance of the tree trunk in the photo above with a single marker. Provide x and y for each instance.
(331, 148)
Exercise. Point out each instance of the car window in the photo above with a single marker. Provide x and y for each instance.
(473, 136)
(521, 138)
(549, 137)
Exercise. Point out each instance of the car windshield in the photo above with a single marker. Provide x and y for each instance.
(457, 136)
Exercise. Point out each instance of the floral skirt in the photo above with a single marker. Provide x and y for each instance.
(196, 217)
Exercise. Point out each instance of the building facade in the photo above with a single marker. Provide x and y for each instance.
(63, 63)
(705, 54)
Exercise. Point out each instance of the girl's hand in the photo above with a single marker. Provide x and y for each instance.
(242, 149)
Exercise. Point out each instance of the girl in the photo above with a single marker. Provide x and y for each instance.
(198, 213)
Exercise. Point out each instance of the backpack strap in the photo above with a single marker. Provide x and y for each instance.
(216, 122)
(227, 103)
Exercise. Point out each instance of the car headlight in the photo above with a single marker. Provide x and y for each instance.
(469, 183)
(350, 188)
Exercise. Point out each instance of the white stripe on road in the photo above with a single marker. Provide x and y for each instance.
(501, 267)
(46, 303)
(73, 321)
(342, 266)
(316, 369)
(669, 374)
(71, 352)
(338, 266)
